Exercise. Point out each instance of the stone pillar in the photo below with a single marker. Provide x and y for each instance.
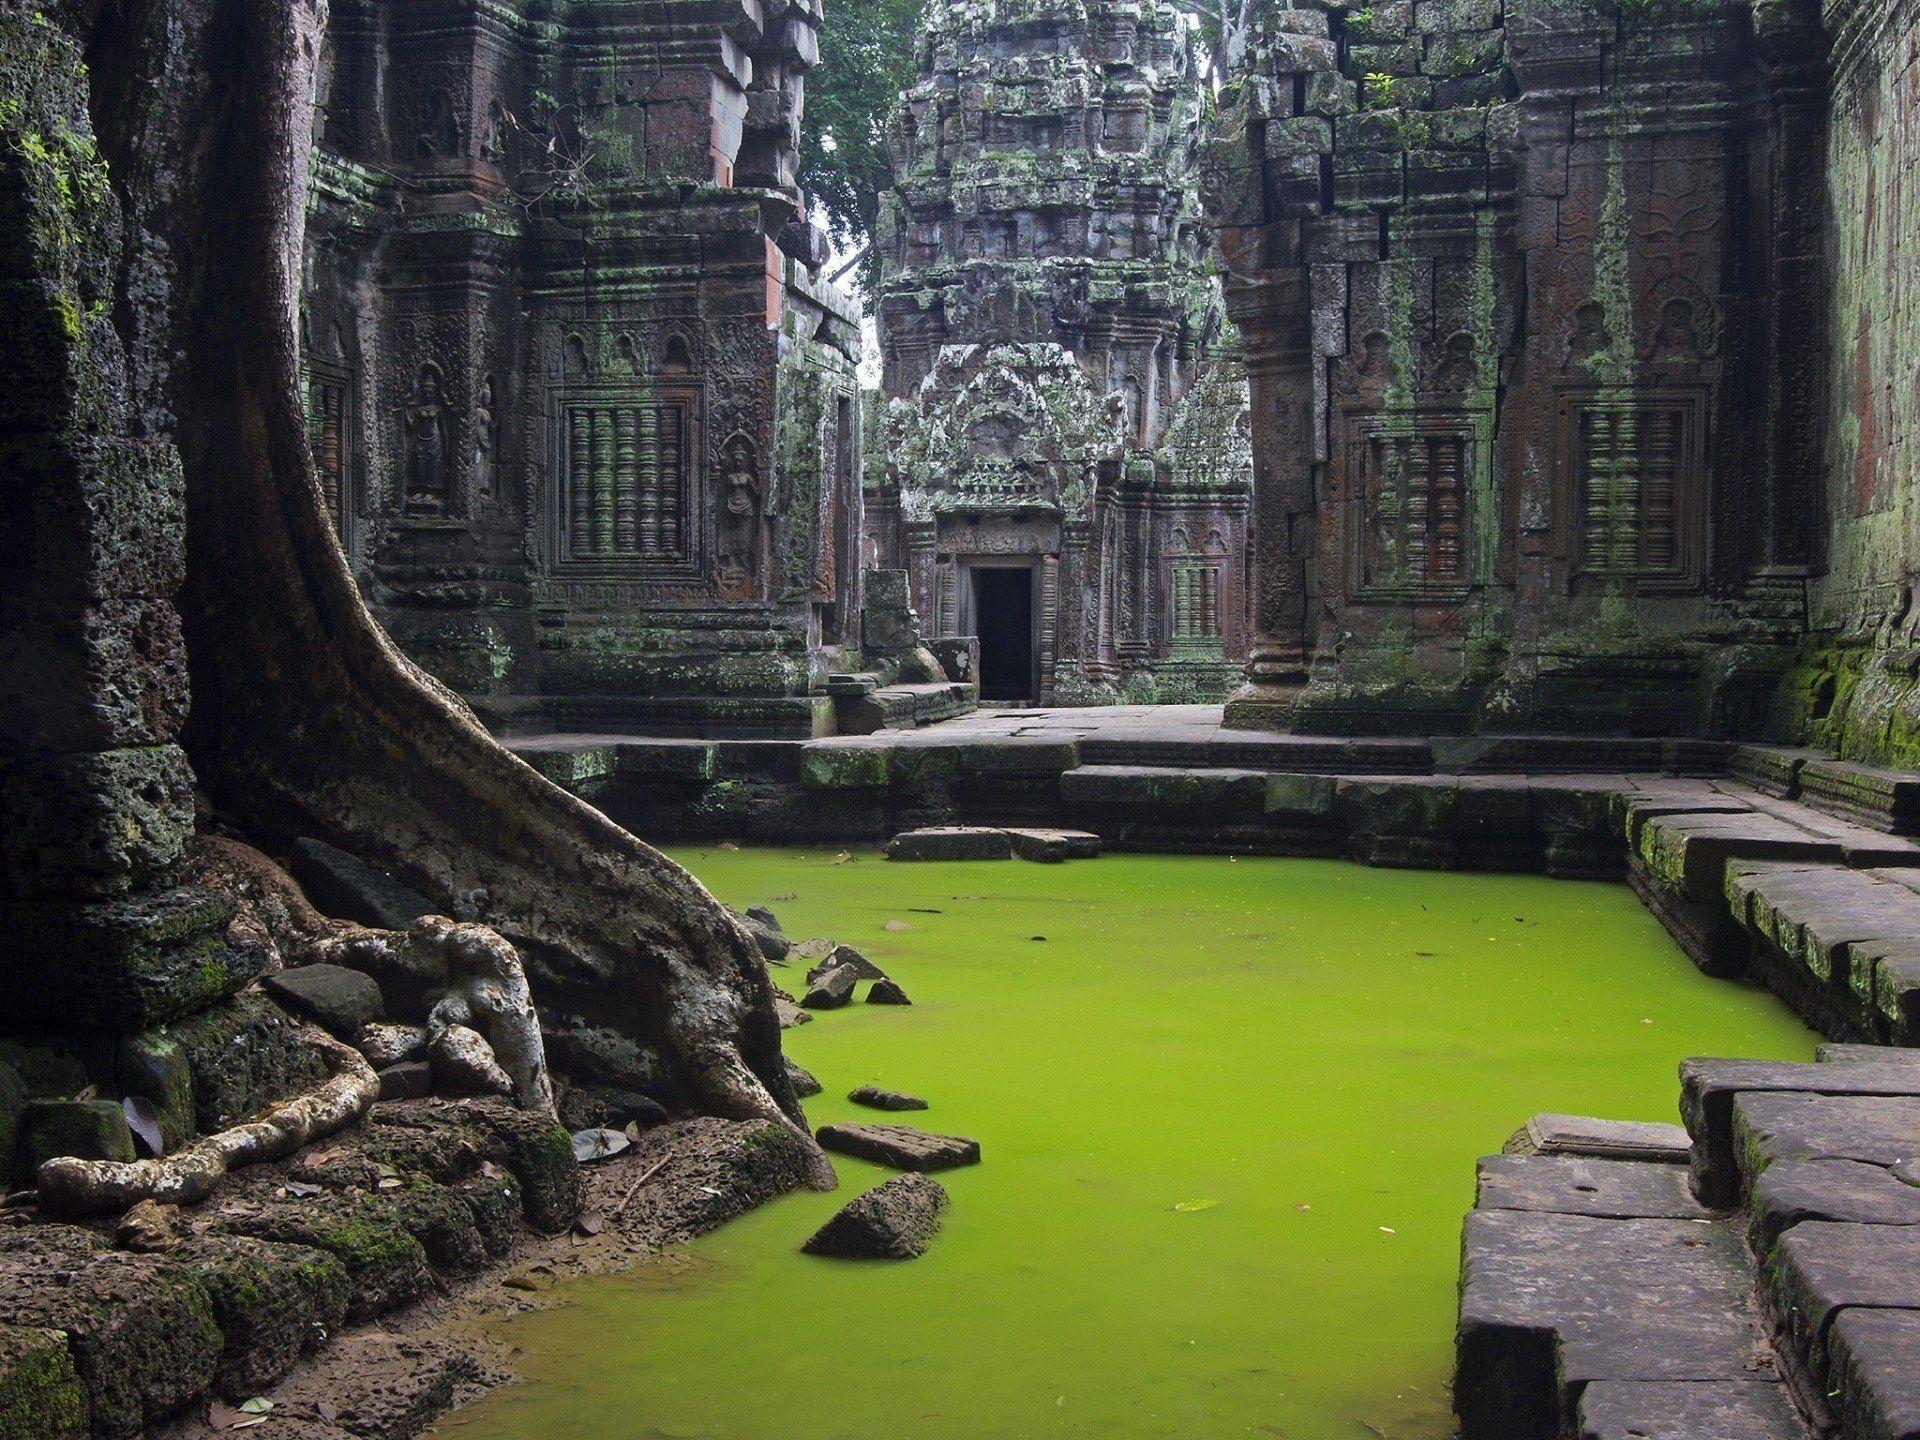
(96, 797)
(1263, 176)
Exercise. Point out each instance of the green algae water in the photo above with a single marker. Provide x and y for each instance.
(1229, 1112)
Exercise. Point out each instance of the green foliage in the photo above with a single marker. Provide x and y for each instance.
(866, 64)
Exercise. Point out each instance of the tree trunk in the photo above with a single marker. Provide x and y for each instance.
(307, 720)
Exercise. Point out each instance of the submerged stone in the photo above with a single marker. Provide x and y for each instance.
(342, 1001)
(887, 992)
(896, 1220)
(877, 1098)
(900, 1146)
(832, 989)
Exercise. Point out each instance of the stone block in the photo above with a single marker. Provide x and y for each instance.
(1299, 798)
(153, 1065)
(384, 1264)
(41, 1397)
(1821, 1268)
(347, 888)
(341, 1001)
(13, 1100)
(95, 517)
(273, 1304)
(896, 1220)
(90, 1129)
(827, 765)
(1583, 1185)
(900, 1146)
(1551, 1303)
(1824, 1188)
(994, 760)
(1873, 1365)
(121, 965)
(1754, 1409)
(1772, 1128)
(245, 1056)
(952, 842)
(1709, 1090)
(1048, 846)
(680, 760)
(1689, 853)
(91, 674)
(95, 823)
(1554, 1134)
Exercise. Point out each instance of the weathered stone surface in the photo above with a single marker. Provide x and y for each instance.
(1551, 1302)
(1819, 1269)
(91, 1129)
(1580, 1185)
(832, 989)
(805, 1082)
(385, 1045)
(407, 1080)
(845, 957)
(887, 992)
(1710, 1088)
(41, 1397)
(343, 1001)
(788, 1013)
(1826, 1188)
(1754, 1409)
(882, 1099)
(900, 1146)
(1873, 1365)
(951, 843)
(1049, 846)
(347, 888)
(896, 1220)
(273, 1304)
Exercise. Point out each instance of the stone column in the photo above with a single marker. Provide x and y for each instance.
(1265, 175)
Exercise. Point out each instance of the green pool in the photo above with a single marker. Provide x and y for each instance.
(1229, 1111)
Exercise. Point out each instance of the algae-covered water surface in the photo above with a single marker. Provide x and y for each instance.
(1229, 1112)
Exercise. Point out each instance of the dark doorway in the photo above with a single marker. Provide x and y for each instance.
(1003, 619)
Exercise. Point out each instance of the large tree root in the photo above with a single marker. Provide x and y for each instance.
(306, 718)
(70, 1186)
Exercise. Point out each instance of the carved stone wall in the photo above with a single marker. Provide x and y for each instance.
(587, 407)
(1527, 306)
(1060, 389)
(1858, 687)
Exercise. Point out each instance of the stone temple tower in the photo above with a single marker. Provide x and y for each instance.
(1067, 464)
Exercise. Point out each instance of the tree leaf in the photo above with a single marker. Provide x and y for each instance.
(1188, 1206)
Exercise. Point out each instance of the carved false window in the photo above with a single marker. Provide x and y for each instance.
(329, 428)
(1196, 603)
(1412, 478)
(1633, 484)
(625, 464)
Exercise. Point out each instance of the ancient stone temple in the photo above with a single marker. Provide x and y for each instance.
(582, 402)
(1530, 295)
(1067, 460)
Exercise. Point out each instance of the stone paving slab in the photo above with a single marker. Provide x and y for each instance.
(1873, 1365)
(1689, 852)
(1549, 1303)
(951, 842)
(1755, 1409)
(1821, 1268)
(1789, 1192)
(1583, 1185)
(1769, 1128)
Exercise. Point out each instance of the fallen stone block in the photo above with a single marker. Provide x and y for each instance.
(881, 1099)
(900, 1146)
(896, 1220)
(804, 1082)
(1050, 846)
(341, 1001)
(347, 888)
(788, 1013)
(951, 842)
(832, 989)
(848, 957)
(40, 1392)
(408, 1080)
(887, 992)
(90, 1129)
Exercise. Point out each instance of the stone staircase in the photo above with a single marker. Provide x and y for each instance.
(1755, 1276)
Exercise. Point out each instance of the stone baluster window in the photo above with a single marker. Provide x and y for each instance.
(330, 433)
(625, 487)
(1635, 484)
(1196, 602)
